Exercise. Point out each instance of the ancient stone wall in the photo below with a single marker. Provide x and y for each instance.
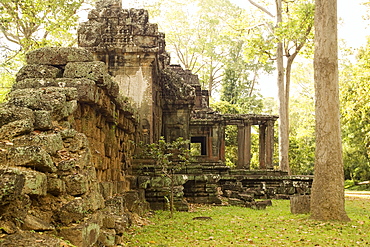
(65, 153)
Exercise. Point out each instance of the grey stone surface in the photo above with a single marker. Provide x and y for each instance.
(58, 55)
(11, 184)
(34, 223)
(95, 71)
(43, 120)
(76, 184)
(61, 102)
(31, 156)
(16, 128)
(10, 113)
(35, 183)
(38, 71)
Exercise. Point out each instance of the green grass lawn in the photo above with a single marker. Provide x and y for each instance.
(237, 226)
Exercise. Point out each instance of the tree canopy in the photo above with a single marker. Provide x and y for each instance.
(29, 24)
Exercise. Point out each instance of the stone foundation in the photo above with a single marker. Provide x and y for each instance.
(214, 183)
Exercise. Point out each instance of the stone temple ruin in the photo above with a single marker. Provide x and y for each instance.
(69, 128)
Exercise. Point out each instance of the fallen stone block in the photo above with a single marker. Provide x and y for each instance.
(300, 204)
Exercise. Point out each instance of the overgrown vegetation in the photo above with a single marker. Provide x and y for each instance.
(237, 226)
(170, 157)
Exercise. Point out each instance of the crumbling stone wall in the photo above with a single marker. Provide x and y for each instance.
(65, 153)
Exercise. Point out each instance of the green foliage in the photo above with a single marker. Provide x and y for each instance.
(206, 37)
(238, 226)
(31, 24)
(270, 106)
(169, 156)
(6, 81)
(294, 31)
(225, 107)
(240, 78)
(302, 121)
(296, 28)
(355, 111)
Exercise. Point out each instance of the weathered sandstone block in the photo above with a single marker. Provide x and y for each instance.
(34, 223)
(300, 204)
(38, 71)
(11, 184)
(76, 184)
(58, 55)
(16, 128)
(31, 156)
(84, 234)
(51, 143)
(56, 186)
(42, 120)
(61, 102)
(10, 113)
(35, 83)
(35, 183)
(95, 71)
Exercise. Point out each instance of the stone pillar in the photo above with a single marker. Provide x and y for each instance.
(244, 146)
(262, 146)
(135, 80)
(241, 146)
(222, 144)
(269, 144)
(248, 144)
(209, 144)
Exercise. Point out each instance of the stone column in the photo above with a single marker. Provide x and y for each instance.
(241, 146)
(248, 144)
(222, 144)
(269, 144)
(244, 146)
(262, 146)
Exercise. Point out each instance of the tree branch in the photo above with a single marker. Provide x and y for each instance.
(261, 8)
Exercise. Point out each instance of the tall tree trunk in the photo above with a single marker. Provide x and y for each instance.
(283, 111)
(288, 70)
(327, 198)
